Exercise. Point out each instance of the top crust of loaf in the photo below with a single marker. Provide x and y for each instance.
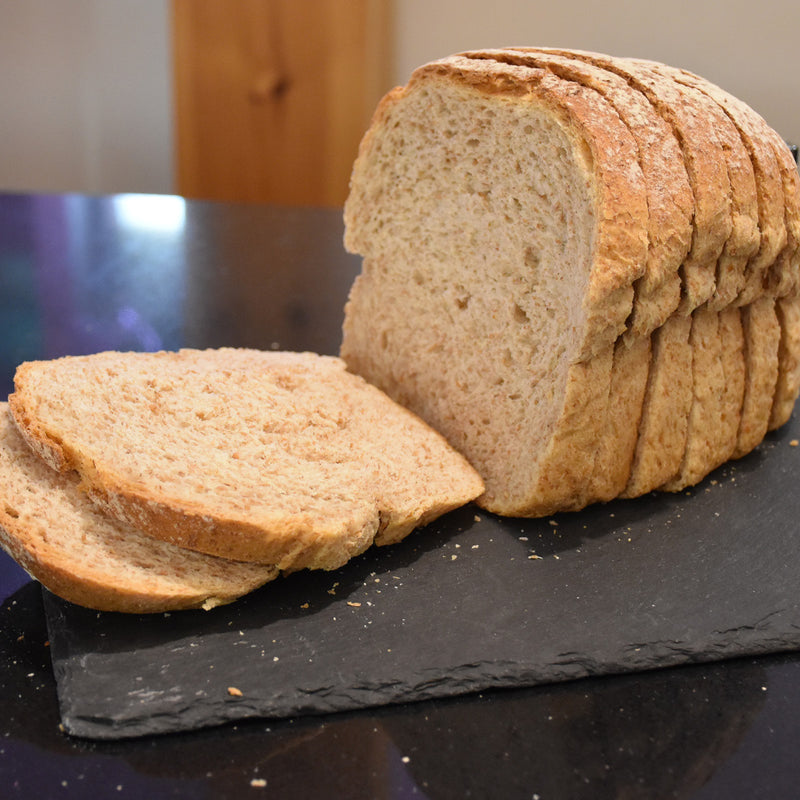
(278, 458)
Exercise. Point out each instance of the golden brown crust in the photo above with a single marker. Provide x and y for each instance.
(703, 451)
(705, 163)
(613, 464)
(756, 136)
(744, 239)
(733, 364)
(762, 335)
(788, 382)
(668, 399)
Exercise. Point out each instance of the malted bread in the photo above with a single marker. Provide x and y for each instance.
(480, 202)
(280, 458)
(744, 238)
(664, 422)
(52, 529)
(788, 382)
(762, 350)
(766, 158)
(706, 165)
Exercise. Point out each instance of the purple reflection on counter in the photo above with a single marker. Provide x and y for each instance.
(109, 273)
(80, 274)
(132, 321)
(12, 577)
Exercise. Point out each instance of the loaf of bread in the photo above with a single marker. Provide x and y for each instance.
(50, 527)
(583, 270)
(283, 459)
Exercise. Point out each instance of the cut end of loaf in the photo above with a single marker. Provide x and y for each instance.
(457, 284)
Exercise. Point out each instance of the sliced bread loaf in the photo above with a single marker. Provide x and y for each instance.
(502, 215)
(51, 528)
(470, 263)
(276, 458)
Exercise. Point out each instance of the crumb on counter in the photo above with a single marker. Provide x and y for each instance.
(234, 692)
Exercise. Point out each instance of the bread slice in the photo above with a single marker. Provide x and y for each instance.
(765, 157)
(704, 445)
(665, 415)
(762, 336)
(788, 381)
(614, 461)
(277, 458)
(731, 335)
(502, 214)
(670, 201)
(49, 526)
(744, 239)
(705, 162)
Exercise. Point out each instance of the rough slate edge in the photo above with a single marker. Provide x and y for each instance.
(461, 607)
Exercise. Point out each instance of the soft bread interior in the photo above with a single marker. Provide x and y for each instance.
(475, 217)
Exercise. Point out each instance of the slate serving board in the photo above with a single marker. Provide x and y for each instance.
(472, 602)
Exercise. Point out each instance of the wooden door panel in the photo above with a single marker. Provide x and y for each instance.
(272, 96)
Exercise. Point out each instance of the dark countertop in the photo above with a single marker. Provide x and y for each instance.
(78, 274)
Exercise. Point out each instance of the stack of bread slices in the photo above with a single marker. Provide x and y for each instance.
(582, 270)
(145, 482)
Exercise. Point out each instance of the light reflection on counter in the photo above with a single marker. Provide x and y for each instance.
(154, 213)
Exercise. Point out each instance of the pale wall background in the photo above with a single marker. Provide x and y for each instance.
(85, 84)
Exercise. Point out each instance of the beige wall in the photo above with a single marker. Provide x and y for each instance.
(85, 96)
(85, 84)
(749, 47)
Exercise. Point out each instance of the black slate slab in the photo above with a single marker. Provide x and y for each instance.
(470, 603)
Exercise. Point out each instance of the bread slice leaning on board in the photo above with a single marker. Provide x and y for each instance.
(284, 460)
(521, 256)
